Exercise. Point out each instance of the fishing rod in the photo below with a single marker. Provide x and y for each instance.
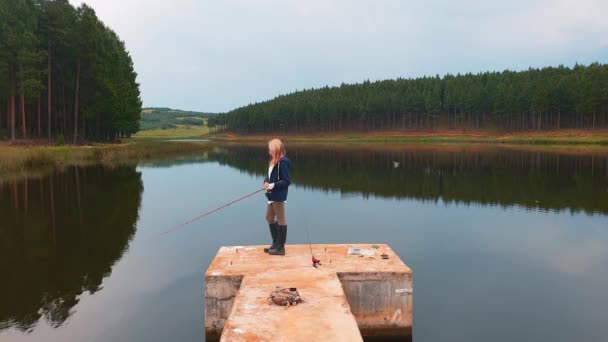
(210, 212)
(315, 262)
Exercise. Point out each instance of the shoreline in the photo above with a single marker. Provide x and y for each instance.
(18, 159)
(566, 137)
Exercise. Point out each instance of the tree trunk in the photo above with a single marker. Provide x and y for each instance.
(76, 102)
(49, 92)
(12, 101)
(64, 116)
(23, 123)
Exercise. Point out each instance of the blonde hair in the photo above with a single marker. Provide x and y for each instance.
(276, 149)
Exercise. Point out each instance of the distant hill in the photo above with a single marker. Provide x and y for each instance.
(166, 118)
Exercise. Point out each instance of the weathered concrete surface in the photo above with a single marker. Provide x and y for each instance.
(381, 302)
(219, 297)
(345, 294)
(324, 316)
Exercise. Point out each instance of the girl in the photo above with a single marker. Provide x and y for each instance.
(276, 185)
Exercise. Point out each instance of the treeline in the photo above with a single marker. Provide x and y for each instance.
(536, 99)
(63, 74)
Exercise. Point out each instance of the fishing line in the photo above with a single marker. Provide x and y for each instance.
(210, 212)
(315, 262)
(309, 243)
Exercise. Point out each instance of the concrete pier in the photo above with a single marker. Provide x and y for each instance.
(349, 296)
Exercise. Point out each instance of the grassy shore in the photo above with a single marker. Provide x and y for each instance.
(570, 137)
(20, 159)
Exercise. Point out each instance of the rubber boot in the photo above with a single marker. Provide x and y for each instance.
(281, 238)
(274, 231)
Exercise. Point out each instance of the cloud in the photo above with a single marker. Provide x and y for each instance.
(550, 241)
(218, 55)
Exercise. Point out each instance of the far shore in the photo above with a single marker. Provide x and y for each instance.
(27, 156)
(562, 137)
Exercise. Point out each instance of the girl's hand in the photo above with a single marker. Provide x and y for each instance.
(265, 185)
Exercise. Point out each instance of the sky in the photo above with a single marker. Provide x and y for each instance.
(215, 56)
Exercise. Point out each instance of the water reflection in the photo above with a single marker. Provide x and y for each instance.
(481, 272)
(543, 181)
(60, 236)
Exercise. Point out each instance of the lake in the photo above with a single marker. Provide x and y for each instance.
(505, 243)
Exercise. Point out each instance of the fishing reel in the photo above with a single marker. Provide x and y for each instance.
(316, 262)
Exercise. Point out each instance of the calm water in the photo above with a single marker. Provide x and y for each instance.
(505, 245)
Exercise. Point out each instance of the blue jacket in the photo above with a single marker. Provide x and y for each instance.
(281, 179)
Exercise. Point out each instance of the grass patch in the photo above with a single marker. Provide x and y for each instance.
(180, 132)
(166, 118)
(25, 159)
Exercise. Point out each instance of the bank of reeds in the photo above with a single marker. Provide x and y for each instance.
(17, 159)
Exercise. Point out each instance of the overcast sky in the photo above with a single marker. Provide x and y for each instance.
(218, 55)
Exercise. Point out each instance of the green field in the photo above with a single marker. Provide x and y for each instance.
(179, 132)
(167, 118)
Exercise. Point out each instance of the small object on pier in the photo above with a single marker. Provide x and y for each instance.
(384, 256)
(285, 297)
(360, 252)
(404, 291)
(316, 262)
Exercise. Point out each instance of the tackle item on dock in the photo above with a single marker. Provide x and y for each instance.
(285, 296)
(316, 262)
(361, 252)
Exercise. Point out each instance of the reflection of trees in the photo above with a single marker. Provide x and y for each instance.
(177, 161)
(60, 236)
(548, 181)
